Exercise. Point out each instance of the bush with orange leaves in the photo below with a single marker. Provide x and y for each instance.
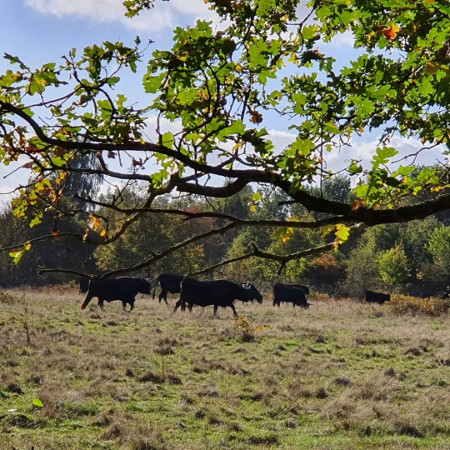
(430, 306)
(245, 329)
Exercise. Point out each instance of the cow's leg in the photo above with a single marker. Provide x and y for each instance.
(177, 305)
(216, 307)
(100, 303)
(131, 302)
(234, 310)
(88, 298)
(165, 298)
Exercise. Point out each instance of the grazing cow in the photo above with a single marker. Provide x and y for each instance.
(169, 282)
(218, 293)
(84, 285)
(290, 293)
(301, 286)
(377, 297)
(122, 288)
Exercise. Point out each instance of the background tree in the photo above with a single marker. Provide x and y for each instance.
(439, 247)
(393, 267)
(361, 271)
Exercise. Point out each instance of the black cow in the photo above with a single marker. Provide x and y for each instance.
(304, 288)
(218, 293)
(122, 288)
(169, 282)
(290, 293)
(377, 297)
(84, 285)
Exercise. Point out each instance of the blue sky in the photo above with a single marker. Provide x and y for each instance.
(41, 31)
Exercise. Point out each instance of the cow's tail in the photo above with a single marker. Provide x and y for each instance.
(154, 289)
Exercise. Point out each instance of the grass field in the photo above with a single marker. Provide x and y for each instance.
(340, 375)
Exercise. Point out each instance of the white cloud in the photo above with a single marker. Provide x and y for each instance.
(344, 40)
(363, 150)
(281, 139)
(164, 16)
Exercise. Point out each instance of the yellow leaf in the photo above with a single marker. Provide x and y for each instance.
(94, 223)
(293, 57)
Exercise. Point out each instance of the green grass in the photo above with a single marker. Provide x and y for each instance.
(340, 375)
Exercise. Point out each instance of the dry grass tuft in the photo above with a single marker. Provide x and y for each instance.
(150, 376)
(10, 384)
(165, 346)
(267, 439)
(342, 381)
(7, 299)
(145, 437)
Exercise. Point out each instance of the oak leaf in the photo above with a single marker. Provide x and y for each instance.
(256, 117)
(391, 32)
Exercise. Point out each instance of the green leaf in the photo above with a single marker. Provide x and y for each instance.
(36, 221)
(168, 140)
(38, 402)
(57, 161)
(257, 197)
(301, 146)
(17, 255)
(342, 233)
(332, 128)
(153, 83)
(383, 155)
(355, 168)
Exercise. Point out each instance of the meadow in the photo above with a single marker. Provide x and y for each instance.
(341, 375)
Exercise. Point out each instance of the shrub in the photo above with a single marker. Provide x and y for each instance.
(431, 306)
(245, 329)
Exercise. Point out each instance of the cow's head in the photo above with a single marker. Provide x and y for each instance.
(146, 286)
(254, 293)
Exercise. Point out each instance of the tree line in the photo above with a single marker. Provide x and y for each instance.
(208, 188)
(409, 258)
